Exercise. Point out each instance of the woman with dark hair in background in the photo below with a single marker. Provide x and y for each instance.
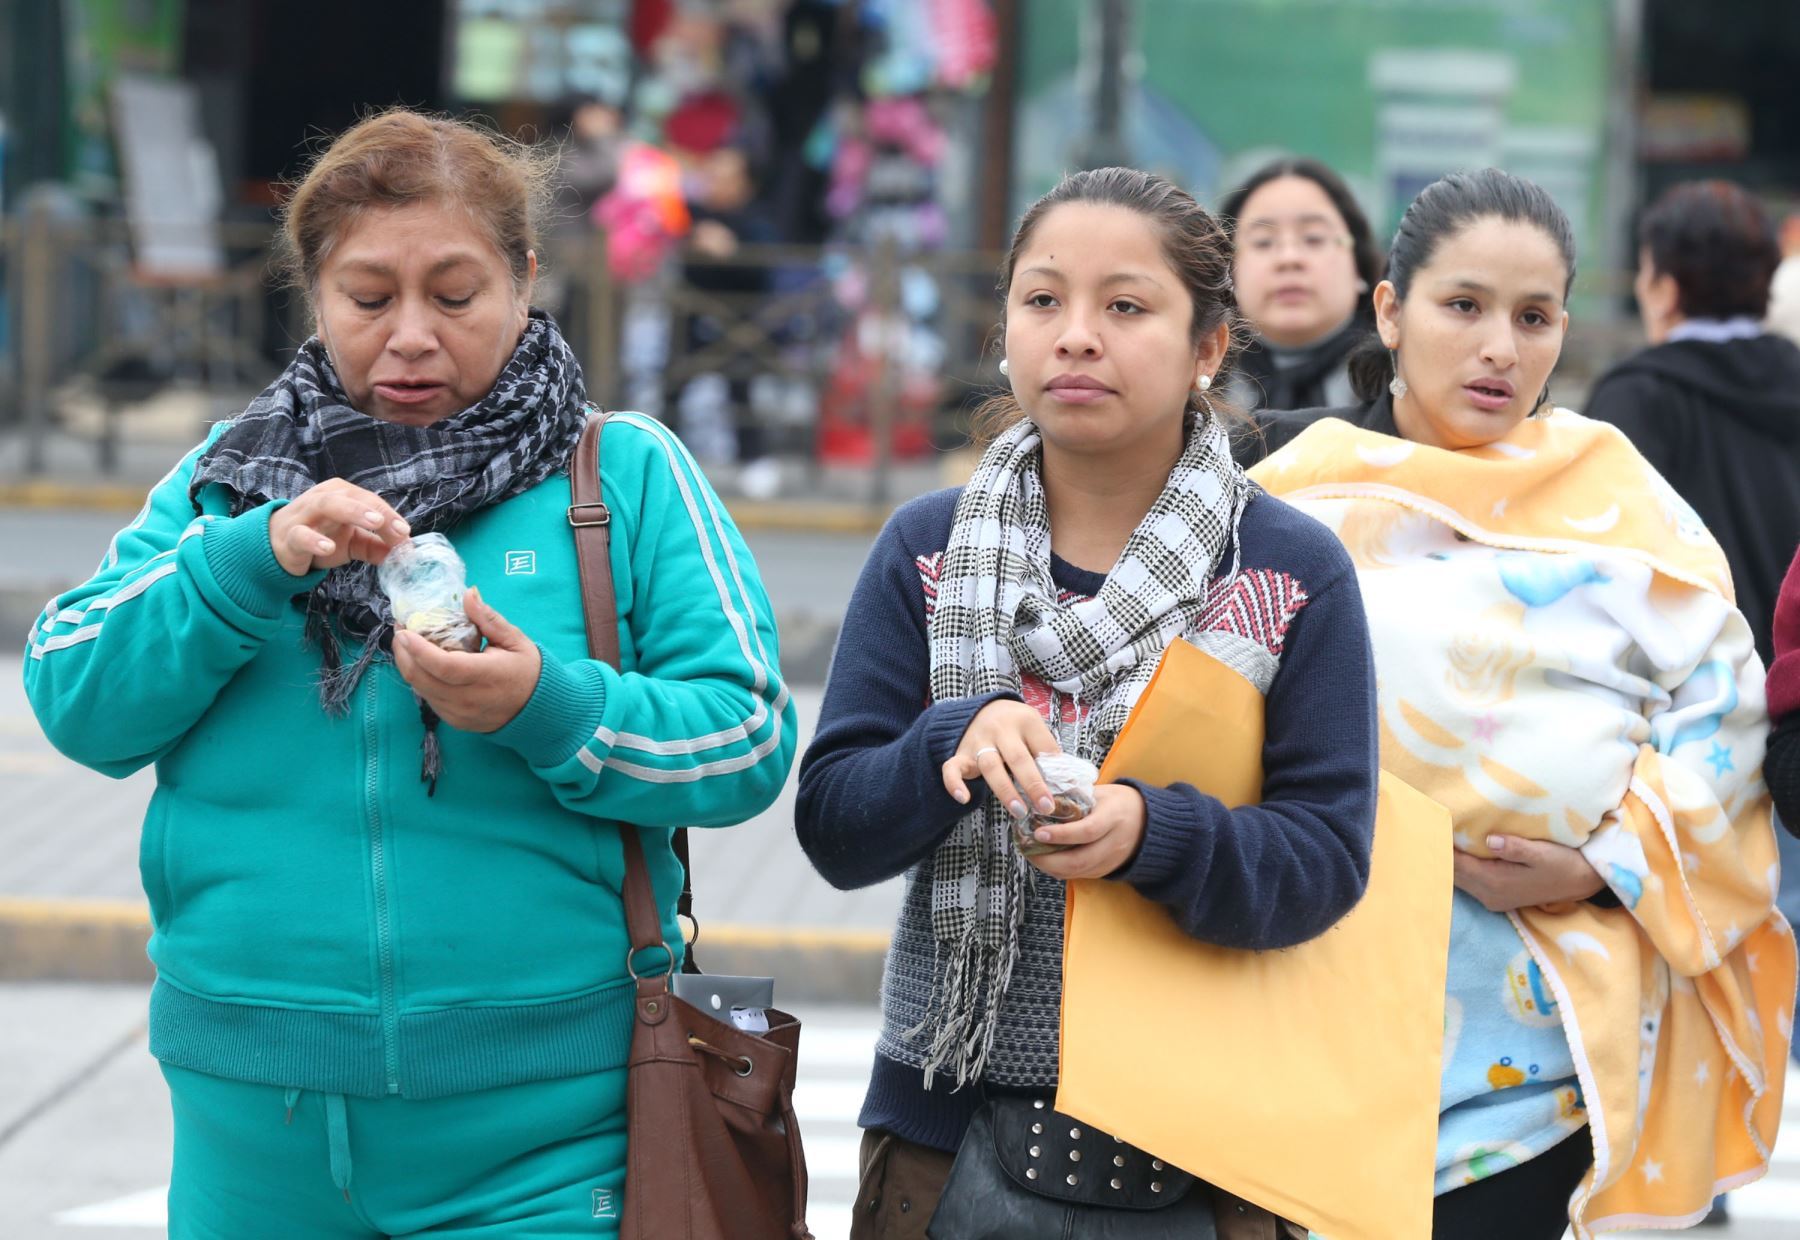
(1305, 260)
(1560, 665)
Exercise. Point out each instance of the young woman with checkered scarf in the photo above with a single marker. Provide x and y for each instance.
(1024, 614)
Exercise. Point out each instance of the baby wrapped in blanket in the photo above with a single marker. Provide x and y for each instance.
(1559, 658)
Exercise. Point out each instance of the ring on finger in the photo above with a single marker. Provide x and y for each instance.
(986, 749)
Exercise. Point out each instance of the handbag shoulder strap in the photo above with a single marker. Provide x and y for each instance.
(591, 521)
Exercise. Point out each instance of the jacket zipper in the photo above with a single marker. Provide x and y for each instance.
(384, 938)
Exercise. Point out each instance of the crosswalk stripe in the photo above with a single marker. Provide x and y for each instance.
(838, 1101)
(149, 1208)
(1769, 1198)
(834, 1071)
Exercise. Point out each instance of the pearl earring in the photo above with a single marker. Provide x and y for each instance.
(1396, 385)
(1003, 369)
(1204, 383)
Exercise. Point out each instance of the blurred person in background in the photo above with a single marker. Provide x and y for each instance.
(1304, 262)
(1781, 767)
(1714, 402)
(728, 213)
(588, 164)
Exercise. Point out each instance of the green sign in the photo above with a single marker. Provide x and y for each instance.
(1391, 93)
(105, 38)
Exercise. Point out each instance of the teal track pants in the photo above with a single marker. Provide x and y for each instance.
(545, 1159)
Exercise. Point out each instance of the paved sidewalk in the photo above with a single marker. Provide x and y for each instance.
(84, 1121)
(84, 1113)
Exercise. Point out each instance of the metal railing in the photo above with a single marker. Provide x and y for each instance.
(873, 354)
(875, 347)
(79, 308)
(881, 348)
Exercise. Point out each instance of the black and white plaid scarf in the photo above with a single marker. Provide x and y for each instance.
(998, 614)
(302, 430)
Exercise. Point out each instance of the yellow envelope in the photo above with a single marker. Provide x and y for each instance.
(1305, 1080)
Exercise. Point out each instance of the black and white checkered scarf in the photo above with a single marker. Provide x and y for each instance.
(997, 615)
(302, 430)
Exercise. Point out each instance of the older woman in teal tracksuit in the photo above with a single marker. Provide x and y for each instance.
(392, 991)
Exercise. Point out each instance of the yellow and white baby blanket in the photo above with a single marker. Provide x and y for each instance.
(1559, 657)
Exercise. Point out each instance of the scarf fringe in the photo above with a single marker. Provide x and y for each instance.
(431, 754)
(964, 1028)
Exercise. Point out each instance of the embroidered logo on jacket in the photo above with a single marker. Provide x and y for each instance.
(521, 563)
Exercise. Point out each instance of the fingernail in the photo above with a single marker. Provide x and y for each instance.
(961, 795)
(1496, 842)
(402, 526)
(1016, 809)
(1043, 836)
(372, 519)
(1045, 805)
(325, 545)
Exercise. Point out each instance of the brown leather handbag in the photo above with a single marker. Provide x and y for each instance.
(714, 1147)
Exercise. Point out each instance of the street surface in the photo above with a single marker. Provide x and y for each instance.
(84, 1121)
(84, 1113)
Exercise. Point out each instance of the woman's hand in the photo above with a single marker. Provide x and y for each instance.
(333, 523)
(479, 692)
(713, 239)
(1100, 843)
(1001, 745)
(1526, 873)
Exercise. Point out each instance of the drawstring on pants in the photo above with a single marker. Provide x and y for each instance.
(337, 1136)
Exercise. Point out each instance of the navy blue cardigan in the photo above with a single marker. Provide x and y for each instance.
(872, 803)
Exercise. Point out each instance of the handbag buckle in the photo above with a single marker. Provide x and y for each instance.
(604, 516)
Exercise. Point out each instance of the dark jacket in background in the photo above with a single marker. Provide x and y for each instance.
(1721, 421)
(1273, 429)
(1267, 378)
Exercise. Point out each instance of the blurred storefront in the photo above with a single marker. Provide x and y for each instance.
(1391, 93)
(806, 281)
(1604, 102)
(779, 219)
(714, 141)
(1721, 96)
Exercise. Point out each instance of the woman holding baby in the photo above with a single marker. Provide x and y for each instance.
(1563, 668)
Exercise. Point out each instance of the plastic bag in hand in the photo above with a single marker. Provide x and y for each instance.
(423, 578)
(1071, 783)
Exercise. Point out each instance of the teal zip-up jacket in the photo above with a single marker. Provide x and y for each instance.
(319, 921)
